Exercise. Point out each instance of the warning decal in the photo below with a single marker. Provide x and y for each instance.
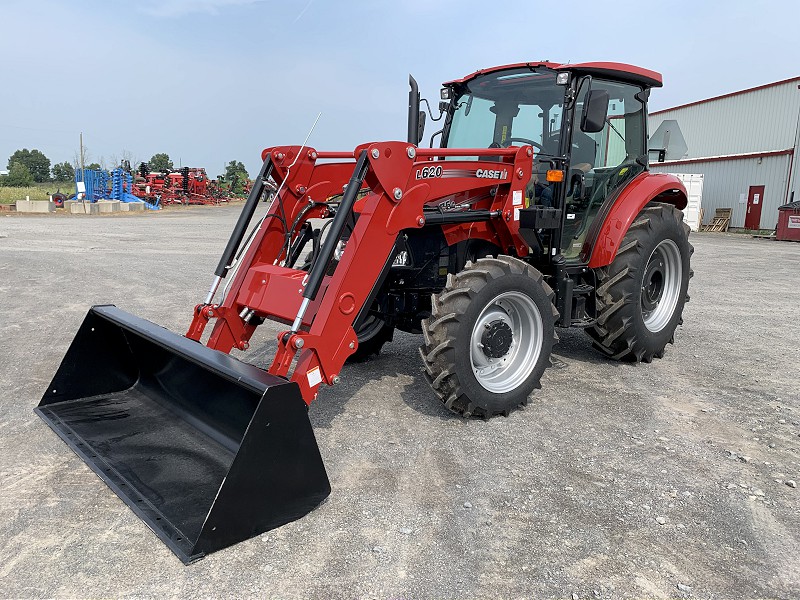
(314, 377)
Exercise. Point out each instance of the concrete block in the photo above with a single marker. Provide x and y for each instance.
(36, 206)
(131, 206)
(74, 207)
(78, 207)
(108, 206)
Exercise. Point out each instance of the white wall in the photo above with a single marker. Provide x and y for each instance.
(725, 181)
(762, 120)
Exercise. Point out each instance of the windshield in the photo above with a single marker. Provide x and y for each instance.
(515, 107)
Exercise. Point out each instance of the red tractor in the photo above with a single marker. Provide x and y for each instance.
(537, 211)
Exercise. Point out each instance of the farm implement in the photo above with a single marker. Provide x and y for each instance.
(182, 186)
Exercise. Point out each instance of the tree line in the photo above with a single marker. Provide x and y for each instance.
(26, 167)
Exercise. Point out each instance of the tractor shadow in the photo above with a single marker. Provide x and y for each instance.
(574, 345)
(398, 369)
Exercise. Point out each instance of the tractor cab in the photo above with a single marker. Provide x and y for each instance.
(586, 124)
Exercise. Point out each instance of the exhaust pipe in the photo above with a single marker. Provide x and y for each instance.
(413, 111)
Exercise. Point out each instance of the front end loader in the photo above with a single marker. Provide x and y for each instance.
(536, 212)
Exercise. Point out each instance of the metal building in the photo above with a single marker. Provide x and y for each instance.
(745, 144)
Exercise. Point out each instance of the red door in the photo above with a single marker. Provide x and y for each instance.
(755, 200)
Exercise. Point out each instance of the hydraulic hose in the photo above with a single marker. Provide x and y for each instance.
(320, 265)
(244, 218)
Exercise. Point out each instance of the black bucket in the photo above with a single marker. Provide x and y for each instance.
(207, 450)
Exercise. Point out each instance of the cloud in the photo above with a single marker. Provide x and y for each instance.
(181, 8)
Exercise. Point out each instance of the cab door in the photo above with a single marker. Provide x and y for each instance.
(602, 163)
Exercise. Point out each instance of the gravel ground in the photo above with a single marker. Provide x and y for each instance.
(669, 480)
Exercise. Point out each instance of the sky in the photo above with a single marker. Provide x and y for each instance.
(210, 81)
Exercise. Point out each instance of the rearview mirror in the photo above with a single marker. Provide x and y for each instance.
(595, 109)
(421, 127)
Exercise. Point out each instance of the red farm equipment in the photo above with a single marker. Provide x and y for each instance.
(226, 188)
(182, 186)
(536, 212)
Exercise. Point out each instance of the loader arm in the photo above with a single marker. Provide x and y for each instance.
(401, 179)
(303, 184)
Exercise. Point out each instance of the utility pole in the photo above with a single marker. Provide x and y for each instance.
(81, 155)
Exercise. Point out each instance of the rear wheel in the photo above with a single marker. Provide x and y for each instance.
(640, 296)
(373, 332)
(489, 337)
(372, 335)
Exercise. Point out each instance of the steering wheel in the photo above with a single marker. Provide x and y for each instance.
(524, 140)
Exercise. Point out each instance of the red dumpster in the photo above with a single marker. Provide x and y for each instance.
(789, 222)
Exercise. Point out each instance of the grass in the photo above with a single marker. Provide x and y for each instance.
(743, 231)
(38, 191)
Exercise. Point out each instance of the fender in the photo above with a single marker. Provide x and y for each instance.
(644, 188)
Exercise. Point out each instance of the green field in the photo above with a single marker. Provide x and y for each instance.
(39, 191)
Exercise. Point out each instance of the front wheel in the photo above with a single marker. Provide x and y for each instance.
(640, 296)
(489, 337)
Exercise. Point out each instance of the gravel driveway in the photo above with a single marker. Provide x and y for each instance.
(675, 479)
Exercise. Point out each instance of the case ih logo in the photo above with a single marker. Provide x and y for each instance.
(491, 174)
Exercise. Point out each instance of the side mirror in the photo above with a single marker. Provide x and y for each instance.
(421, 130)
(595, 109)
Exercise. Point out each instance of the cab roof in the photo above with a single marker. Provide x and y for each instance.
(605, 70)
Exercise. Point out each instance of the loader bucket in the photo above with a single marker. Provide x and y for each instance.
(206, 449)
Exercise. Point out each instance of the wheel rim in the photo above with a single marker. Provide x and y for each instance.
(661, 286)
(506, 342)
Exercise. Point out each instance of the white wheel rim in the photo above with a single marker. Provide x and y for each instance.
(505, 373)
(661, 285)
